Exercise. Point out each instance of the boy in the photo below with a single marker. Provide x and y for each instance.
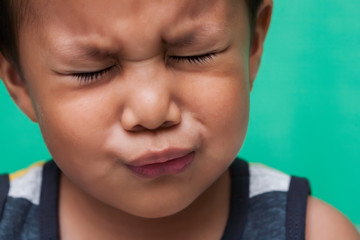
(144, 106)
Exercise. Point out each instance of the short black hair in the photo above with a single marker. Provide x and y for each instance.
(14, 12)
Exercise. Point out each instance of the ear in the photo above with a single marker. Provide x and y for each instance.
(261, 27)
(16, 87)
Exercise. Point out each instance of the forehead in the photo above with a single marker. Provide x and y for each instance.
(133, 9)
(90, 15)
(133, 23)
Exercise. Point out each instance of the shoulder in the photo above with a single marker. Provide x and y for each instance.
(19, 200)
(325, 222)
(281, 202)
(26, 183)
(322, 220)
(265, 179)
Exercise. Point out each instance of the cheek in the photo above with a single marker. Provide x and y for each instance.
(224, 107)
(226, 118)
(220, 102)
(222, 99)
(74, 126)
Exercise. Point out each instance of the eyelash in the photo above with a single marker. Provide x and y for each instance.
(194, 59)
(87, 77)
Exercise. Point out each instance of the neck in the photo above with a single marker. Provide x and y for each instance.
(83, 217)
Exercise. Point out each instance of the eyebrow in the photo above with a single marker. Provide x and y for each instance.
(204, 35)
(195, 37)
(80, 51)
(183, 41)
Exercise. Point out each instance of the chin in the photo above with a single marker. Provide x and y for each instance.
(160, 210)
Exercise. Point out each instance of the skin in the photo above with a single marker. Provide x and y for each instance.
(149, 100)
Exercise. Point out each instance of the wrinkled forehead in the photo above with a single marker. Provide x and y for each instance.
(86, 15)
(133, 23)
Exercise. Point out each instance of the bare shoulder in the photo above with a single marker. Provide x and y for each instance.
(325, 222)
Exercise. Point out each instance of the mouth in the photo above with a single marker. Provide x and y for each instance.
(156, 164)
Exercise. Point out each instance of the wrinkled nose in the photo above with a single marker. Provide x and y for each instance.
(151, 108)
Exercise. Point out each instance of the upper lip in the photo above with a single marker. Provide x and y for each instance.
(159, 156)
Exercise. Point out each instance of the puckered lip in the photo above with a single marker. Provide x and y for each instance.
(154, 157)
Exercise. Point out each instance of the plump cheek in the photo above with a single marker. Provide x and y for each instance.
(229, 133)
(219, 101)
(222, 106)
(226, 126)
(74, 130)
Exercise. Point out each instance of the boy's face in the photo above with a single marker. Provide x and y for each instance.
(150, 97)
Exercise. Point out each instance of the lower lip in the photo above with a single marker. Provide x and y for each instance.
(155, 170)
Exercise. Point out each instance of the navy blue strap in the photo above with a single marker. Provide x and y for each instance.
(299, 191)
(49, 223)
(239, 203)
(4, 190)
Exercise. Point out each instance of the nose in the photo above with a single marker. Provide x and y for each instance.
(150, 109)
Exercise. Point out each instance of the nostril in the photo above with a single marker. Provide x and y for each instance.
(168, 124)
(137, 128)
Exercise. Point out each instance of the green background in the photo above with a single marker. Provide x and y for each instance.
(305, 104)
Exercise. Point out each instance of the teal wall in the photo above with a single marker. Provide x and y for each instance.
(305, 104)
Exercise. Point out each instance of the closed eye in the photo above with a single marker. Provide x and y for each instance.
(87, 77)
(205, 58)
